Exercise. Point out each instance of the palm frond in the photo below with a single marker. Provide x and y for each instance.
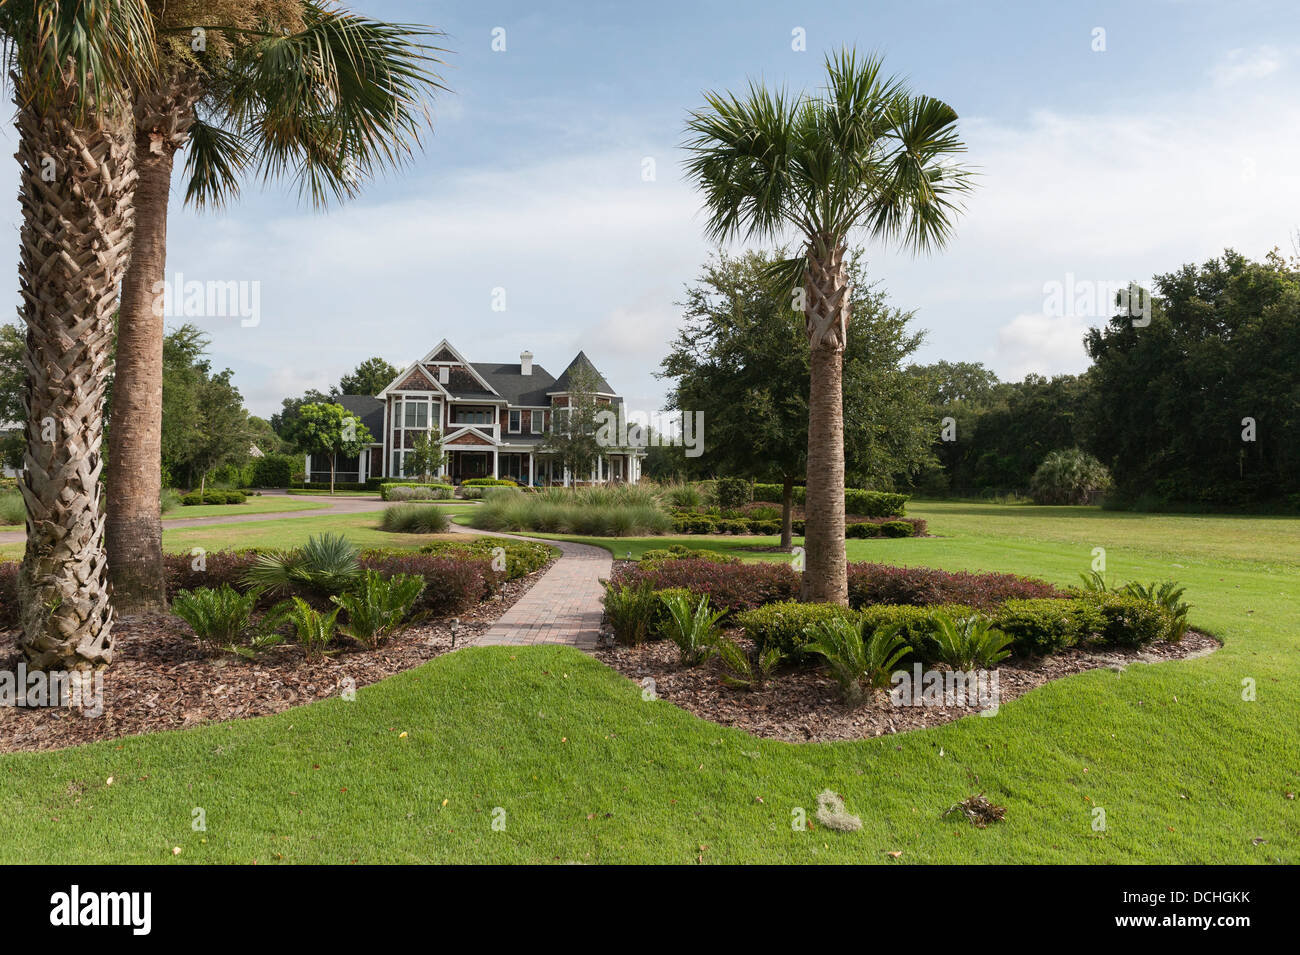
(216, 162)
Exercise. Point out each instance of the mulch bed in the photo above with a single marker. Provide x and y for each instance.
(160, 680)
(802, 704)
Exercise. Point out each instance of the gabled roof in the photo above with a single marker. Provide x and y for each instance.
(369, 410)
(517, 388)
(444, 346)
(580, 360)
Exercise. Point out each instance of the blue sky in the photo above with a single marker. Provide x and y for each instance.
(1178, 139)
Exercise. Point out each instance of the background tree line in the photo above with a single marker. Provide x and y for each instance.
(1200, 408)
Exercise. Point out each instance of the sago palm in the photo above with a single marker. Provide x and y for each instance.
(867, 154)
(264, 87)
(70, 63)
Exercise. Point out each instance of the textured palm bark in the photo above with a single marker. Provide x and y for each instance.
(163, 118)
(787, 512)
(826, 313)
(76, 182)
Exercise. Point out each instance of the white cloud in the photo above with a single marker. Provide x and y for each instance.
(1240, 64)
(1039, 343)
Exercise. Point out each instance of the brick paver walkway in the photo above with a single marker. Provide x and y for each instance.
(563, 607)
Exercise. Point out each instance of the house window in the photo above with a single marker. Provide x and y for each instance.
(415, 414)
(444, 374)
(516, 419)
(474, 415)
(539, 420)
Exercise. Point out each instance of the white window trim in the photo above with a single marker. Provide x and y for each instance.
(537, 422)
(514, 421)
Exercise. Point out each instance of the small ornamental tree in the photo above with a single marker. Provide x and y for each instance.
(572, 438)
(327, 428)
(427, 457)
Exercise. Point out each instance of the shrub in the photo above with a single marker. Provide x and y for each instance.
(313, 629)
(967, 643)
(732, 526)
(732, 586)
(857, 659)
(874, 503)
(169, 500)
(1169, 597)
(210, 569)
(692, 626)
(689, 523)
(683, 495)
(1045, 626)
(733, 493)
(630, 611)
(217, 617)
(377, 608)
(326, 565)
(12, 508)
(521, 557)
(1125, 620)
(897, 529)
(749, 670)
(871, 583)
(275, 470)
(214, 496)
(682, 552)
(415, 519)
(416, 492)
(1069, 477)
(914, 624)
(785, 625)
(488, 482)
(452, 585)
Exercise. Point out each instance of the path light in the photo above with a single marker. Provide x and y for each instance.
(455, 626)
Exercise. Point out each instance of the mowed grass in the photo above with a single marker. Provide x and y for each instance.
(586, 770)
(266, 504)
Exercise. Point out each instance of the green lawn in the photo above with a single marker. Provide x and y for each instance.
(266, 504)
(587, 771)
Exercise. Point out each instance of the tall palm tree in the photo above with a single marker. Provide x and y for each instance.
(278, 87)
(70, 63)
(868, 154)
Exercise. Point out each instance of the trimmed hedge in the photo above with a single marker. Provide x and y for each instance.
(732, 493)
(856, 500)
(370, 484)
(214, 496)
(489, 482)
(452, 585)
(784, 624)
(693, 522)
(871, 583)
(678, 552)
(522, 557)
(1129, 621)
(731, 586)
(275, 470)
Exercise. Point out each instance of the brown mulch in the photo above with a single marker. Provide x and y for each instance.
(802, 704)
(161, 681)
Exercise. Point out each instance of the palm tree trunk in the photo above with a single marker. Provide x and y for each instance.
(163, 118)
(827, 297)
(76, 183)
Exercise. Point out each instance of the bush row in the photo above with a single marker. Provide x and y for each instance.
(692, 522)
(214, 496)
(1036, 627)
(856, 500)
(415, 491)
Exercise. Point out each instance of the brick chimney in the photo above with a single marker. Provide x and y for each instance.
(525, 363)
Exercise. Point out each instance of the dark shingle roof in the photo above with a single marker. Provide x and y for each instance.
(516, 388)
(581, 360)
(369, 410)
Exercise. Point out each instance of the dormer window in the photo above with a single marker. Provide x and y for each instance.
(444, 374)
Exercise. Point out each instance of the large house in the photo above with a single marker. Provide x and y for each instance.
(493, 419)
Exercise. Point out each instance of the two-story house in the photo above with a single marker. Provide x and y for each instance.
(493, 419)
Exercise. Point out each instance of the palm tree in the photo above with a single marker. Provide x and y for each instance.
(70, 64)
(868, 154)
(277, 87)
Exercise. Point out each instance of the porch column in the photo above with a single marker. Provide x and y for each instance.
(495, 473)
(363, 458)
(530, 469)
(306, 467)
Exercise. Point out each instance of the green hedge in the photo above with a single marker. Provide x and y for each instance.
(214, 497)
(1036, 627)
(856, 500)
(690, 522)
(370, 484)
(522, 557)
(275, 470)
(488, 482)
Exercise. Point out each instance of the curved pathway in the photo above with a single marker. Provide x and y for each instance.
(563, 607)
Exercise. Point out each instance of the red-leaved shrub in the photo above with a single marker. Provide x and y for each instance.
(732, 586)
(451, 584)
(924, 586)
